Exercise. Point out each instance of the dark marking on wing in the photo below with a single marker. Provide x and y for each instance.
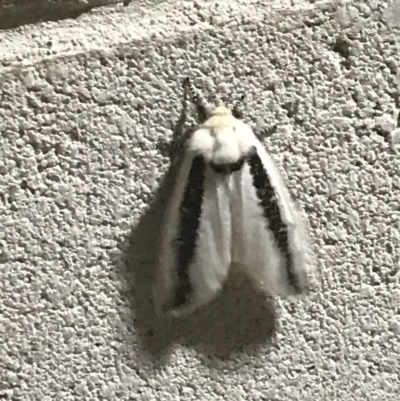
(268, 202)
(189, 221)
(228, 168)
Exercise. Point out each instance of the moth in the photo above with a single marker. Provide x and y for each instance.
(229, 205)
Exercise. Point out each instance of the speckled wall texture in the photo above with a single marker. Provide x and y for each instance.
(85, 103)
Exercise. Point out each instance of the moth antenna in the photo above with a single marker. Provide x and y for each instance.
(182, 116)
(198, 101)
(237, 110)
(179, 135)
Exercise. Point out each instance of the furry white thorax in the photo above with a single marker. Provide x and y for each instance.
(222, 139)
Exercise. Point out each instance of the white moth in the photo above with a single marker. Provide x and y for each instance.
(229, 206)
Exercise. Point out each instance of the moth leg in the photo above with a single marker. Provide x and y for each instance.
(237, 110)
(266, 132)
(197, 100)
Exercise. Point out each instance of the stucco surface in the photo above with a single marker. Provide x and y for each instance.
(85, 103)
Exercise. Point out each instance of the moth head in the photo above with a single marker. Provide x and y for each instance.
(221, 111)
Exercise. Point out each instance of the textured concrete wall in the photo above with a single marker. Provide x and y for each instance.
(85, 102)
(15, 13)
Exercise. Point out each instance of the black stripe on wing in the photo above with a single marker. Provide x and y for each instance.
(227, 168)
(189, 221)
(269, 204)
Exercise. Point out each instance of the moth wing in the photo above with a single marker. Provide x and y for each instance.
(268, 232)
(195, 251)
